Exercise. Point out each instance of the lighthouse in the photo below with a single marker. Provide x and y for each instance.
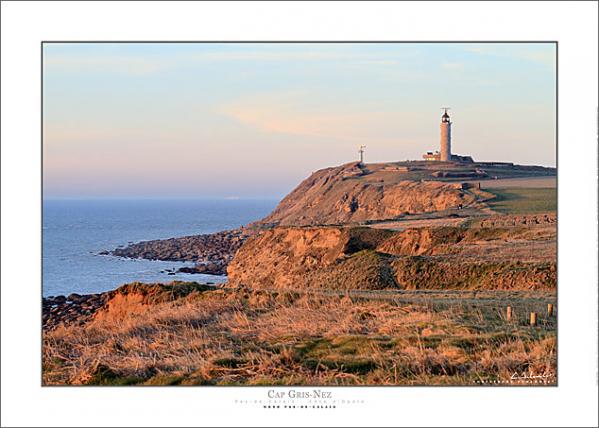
(445, 136)
(445, 155)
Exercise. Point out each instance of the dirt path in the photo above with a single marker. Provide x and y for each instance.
(492, 297)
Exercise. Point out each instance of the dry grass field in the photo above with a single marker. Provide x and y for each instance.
(243, 337)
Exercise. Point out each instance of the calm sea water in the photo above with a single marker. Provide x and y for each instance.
(75, 232)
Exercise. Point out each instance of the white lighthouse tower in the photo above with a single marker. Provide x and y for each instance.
(445, 136)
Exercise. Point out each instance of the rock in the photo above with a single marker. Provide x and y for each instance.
(216, 247)
(210, 268)
(74, 297)
(75, 308)
(59, 299)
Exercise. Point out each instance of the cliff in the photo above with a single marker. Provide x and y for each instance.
(519, 257)
(352, 193)
(328, 257)
(443, 234)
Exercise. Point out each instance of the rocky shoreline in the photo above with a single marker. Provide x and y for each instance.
(72, 309)
(79, 309)
(210, 252)
(210, 268)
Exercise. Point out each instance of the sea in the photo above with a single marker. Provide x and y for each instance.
(76, 231)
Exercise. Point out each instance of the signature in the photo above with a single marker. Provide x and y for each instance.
(531, 375)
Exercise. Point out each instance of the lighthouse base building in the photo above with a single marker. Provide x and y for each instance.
(436, 156)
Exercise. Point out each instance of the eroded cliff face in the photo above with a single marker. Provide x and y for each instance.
(322, 257)
(137, 298)
(334, 258)
(348, 194)
(113, 306)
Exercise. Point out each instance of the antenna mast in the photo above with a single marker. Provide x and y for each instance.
(361, 151)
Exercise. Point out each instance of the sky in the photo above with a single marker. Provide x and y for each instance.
(253, 120)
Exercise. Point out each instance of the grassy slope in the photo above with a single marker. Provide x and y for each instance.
(288, 338)
(523, 200)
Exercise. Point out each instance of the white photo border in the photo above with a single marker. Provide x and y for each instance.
(572, 24)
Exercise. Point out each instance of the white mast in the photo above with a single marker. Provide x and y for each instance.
(361, 151)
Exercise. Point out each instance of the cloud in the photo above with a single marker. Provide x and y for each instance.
(309, 55)
(298, 113)
(539, 53)
(138, 64)
(454, 66)
(120, 64)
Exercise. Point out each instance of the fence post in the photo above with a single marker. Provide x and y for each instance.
(549, 309)
(533, 318)
(508, 313)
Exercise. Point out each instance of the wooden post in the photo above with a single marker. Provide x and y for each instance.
(549, 309)
(479, 185)
(533, 319)
(508, 313)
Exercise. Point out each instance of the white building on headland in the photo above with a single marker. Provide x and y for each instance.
(445, 154)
